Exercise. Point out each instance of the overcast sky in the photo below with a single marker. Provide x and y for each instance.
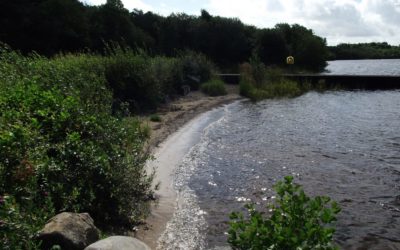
(349, 21)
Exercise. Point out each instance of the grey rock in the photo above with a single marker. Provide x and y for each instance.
(118, 243)
(70, 231)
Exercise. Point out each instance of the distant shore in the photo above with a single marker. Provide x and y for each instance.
(170, 140)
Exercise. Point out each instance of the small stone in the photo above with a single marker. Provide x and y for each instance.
(118, 243)
(69, 231)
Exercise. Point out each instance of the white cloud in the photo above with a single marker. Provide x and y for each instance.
(138, 4)
(337, 20)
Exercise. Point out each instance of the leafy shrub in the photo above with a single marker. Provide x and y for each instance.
(258, 71)
(245, 88)
(155, 118)
(196, 69)
(296, 222)
(61, 148)
(20, 223)
(273, 74)
(144, 82)
(78, 156)
(285, 88)
(258, 82)
(168, 74)
(129, 76)
(215, 87)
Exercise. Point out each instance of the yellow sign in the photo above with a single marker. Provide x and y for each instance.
(290, 60)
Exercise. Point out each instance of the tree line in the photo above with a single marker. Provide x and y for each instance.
(364, 51)
(53, 26)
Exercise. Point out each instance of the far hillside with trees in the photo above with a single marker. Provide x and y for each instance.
(364, 51)
(49, 27)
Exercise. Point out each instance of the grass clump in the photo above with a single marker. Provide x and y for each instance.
(258, 82)
(155, 118)
(215, 87)
(296, 221)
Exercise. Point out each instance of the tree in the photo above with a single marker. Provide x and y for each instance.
(205, 15)
(271, 47)
(59, 25)
(116, 4)
(111, 24)
(310, 51)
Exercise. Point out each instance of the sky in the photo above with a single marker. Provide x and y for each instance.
(339, 21)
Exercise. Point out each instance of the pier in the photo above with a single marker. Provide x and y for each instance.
(369, 82)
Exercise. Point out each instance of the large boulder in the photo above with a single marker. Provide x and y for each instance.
(70, 231)
(118, 243)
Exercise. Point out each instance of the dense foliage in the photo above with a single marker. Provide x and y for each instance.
(51, 26)
(274, 45)
(67, 143)
(258, 82)
(63, 148)
(295, 221)
(364, 51)
(143, 82)
(214, 87)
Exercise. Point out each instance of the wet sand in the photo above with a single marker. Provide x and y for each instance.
(182, 125)
(179, 112)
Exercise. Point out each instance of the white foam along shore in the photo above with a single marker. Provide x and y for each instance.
(168, 156)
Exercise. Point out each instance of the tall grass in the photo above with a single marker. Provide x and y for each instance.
(259, 82)
(214, 87)
(144, 82)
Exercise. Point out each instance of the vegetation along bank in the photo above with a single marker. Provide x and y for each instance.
(69, 137)
(67, 140)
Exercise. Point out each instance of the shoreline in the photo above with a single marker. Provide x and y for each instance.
(181, 111)
(181, 126)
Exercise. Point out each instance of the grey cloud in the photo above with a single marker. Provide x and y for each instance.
(388, 10)
(343, 20)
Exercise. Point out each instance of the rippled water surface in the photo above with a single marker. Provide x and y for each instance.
(364, 67)
(342, 144)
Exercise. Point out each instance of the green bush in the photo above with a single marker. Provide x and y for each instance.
(273, 74)
(155, 118)
(284, 88)
(258, 82)
(196, 69)
(258, 71)
(21, 221)
(79, 156)
(245, 88)
(214, 87)
(61, 148)
(168, 74)
(144, 82)
(296, 221)
(130, 78)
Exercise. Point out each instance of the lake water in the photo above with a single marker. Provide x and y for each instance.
(342, 144)
(364, 67)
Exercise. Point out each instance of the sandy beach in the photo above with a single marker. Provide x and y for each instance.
(181, 126)
(177, 113)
